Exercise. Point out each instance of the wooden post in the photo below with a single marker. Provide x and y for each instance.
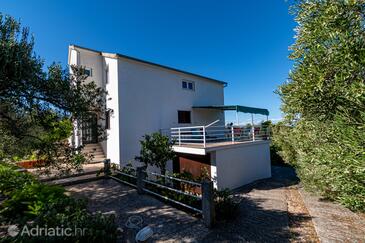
(107, 167)
(141, 176)
(208, 203)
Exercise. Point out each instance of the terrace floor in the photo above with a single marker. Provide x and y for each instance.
(198, 148)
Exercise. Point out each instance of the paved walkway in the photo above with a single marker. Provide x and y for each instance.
(263, 215)
(333, 222)
(167, 222)
(271, 210)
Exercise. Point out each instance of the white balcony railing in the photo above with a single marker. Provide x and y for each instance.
(204, 135)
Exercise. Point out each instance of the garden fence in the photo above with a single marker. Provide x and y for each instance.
(192, 195)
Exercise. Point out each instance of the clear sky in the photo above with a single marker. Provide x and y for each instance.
(244, 43)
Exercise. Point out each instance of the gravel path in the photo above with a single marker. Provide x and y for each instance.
(333, 222)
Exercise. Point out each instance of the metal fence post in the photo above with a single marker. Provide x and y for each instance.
(204, 141)
(232, 132)
(208, 203)
(141, 176)
(179, 137)
(107, 167)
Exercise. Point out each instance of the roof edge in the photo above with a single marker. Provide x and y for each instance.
(117, 55)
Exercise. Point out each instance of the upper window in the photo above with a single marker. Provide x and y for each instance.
(189, 85)
(88, 72)
(184, 116)
(107, 119)
(107, 74)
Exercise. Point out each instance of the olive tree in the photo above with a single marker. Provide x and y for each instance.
(324, 100)
(39, 106)
(156, 150)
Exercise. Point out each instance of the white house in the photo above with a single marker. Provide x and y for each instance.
(146, 97)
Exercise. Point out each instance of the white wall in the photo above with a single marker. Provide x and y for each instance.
(241, 164)
(150, 98)
(76, 135)
(145, 99)
(113, 102)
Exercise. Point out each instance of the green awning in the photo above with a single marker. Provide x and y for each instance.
(238, 108)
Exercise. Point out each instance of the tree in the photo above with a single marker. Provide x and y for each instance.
(324, 100)
(156, 149)
(37, 107)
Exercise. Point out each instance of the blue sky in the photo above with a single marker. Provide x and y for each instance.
(242, 42)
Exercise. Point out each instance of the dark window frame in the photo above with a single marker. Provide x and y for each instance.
(107, 119)
(88, 72)
(107, 74)
(188, 85)
(184, 117)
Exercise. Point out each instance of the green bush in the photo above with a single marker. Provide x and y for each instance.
(11, 180)
(225, 207)
(324, 101)
(330, 160)
(30, 203)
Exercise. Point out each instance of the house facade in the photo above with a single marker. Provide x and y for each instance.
(145, 97)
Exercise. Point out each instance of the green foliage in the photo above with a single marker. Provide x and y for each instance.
(11, 180)
(156, 149)
(225, 207)
(282, 144)
(37, 107)
(31, 203)
(324, 101)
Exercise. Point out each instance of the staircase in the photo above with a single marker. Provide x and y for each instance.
(95, 150)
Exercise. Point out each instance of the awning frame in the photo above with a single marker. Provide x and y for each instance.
(237, 108)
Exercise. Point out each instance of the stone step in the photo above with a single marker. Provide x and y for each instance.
(94, 145)
(95, 153)
(92, 150)
(75, 180)
(95, 150)
(85, 172)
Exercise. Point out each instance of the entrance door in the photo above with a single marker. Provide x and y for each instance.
(90, 129)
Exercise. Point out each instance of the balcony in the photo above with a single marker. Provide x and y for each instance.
(211, 135)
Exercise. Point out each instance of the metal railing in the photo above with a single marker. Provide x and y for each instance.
(203, 135)
(201, 202)
(168, 185)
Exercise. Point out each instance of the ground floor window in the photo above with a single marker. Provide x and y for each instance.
(184, 116)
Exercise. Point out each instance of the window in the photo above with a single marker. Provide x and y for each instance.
(107, 74)
(189, 85)
(88, 72)
(184, 116)
(107, 119)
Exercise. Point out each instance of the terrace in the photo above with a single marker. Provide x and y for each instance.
(215, 134)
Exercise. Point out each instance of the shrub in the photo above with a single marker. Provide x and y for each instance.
(156, 149)
(323, 100)
(31, 203)
(11, 180)
(225, 207)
